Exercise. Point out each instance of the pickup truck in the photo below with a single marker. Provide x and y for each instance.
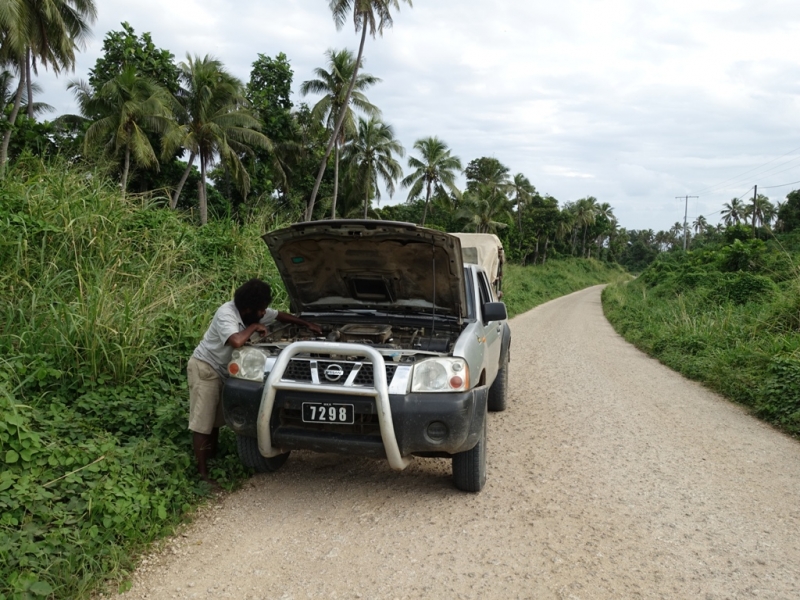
(414, 351)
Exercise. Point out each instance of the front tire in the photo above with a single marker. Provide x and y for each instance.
(469, 467)
(247, 448)
(498, 392)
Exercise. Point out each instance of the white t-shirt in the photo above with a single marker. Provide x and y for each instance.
(227, 321)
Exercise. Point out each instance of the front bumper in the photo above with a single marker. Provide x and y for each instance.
(414, 423)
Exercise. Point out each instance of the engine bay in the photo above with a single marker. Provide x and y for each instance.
(379, 336)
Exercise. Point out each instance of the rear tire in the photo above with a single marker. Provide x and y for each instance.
(469, 468)
(247, 448)
(498, 392)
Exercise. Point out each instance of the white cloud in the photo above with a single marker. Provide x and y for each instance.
(631, 101)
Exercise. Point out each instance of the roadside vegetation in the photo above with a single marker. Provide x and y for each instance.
(104, 295)
(527, 287)
(123, 227)
(727, 314)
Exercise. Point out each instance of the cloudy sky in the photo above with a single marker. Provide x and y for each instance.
(633, 102)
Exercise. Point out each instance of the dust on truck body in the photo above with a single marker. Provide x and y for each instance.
(413, 352)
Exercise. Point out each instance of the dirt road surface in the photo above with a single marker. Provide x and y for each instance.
(610, 476)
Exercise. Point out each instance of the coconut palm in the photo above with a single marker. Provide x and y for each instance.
(333, 85)
(700, 224)
(214, 121)
(435, 171)
(733, 212)
(760, 211)
(485, 209)
(371, 157)
(45, 32)
(523, 191)
(125, 109)
(368, 15)
(585, 216)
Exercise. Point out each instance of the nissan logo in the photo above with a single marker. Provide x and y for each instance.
(333, 372)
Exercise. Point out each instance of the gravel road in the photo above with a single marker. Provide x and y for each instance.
(609, 476)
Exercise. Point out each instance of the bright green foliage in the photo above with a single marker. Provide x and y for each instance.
(526, 287)
(102, 301)
(126, 49)
(370, 157)
(789, 213)
(728, 317)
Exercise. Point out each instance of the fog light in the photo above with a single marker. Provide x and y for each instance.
(437, 431)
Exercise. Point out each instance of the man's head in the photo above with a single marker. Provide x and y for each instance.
(252, 299)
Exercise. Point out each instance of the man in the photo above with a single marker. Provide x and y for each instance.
(232, 325)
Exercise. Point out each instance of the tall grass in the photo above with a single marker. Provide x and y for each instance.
(526, 287)
(102, 299)
(738, 331)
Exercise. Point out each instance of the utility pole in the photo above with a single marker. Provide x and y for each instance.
(755, 196)
(685, 223)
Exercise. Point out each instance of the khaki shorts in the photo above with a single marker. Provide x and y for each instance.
(205, 395)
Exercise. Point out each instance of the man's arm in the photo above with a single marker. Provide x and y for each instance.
(237, 340)
(287, 318)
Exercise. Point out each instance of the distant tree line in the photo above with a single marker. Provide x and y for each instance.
(219, 146)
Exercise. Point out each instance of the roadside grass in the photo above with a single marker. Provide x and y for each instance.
(736, 331)
(527, 287)
(102, 300)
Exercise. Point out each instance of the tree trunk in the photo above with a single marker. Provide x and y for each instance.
(335, 180)
(174, 202)
(125, 168)
(203, 200)
(366, 196)
(546, 244)
(338, 127)
(12, 119)
(536, 251)
(519, 224)
(427, 200)
(28, 82)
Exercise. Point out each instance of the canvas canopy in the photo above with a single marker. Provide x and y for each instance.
(484, 250)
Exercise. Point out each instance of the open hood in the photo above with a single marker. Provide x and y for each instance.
(380, 265)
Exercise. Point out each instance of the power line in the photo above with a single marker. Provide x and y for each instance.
(748, 171)
(770, 187)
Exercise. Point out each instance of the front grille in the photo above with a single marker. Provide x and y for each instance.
(300, 370)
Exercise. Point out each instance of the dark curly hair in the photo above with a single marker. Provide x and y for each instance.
(252, 295)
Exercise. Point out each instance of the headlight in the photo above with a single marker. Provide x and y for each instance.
(440, 375)
(248, 363)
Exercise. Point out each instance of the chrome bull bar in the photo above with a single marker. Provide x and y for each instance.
(379, 391)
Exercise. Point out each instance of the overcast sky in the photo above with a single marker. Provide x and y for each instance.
(633, 102)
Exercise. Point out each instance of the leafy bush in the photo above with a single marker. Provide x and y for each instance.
(102, 302)
(729, 317)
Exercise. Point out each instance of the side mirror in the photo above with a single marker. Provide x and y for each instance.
(494, 311)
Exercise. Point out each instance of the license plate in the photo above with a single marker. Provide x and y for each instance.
(340, 414)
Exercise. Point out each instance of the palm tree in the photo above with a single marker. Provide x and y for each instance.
(485, 209)
(214, 120)
(43, 31)
(435, 171)
(759, 210)
(732, 212)
(125, 108)
(333, 85)
(372, 15)
(585, 215)
(370, 155)
(700, 224)
(523, 191)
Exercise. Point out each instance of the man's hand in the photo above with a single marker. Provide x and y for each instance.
(314, 327)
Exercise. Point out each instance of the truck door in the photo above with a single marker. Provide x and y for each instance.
(492, 330)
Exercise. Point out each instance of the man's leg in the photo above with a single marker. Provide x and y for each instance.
(205, 411)
(205, 448)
